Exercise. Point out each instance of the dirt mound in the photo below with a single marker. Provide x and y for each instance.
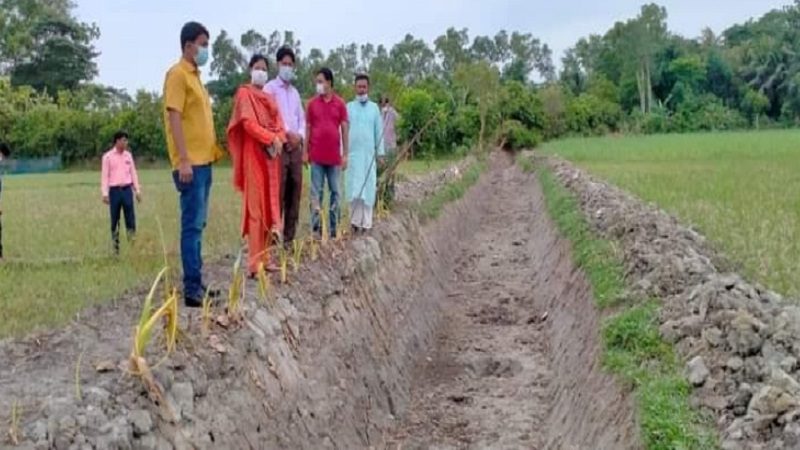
(742, 341)
(454, 310)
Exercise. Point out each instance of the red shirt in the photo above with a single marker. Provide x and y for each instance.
(324, 120)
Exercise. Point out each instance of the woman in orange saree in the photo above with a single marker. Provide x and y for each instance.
(255, 137)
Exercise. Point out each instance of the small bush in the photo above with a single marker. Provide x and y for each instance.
(418, 109)
(515, 136)
(589, 114)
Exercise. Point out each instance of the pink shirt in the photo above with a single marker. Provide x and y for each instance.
(119, 169)
(289, 104)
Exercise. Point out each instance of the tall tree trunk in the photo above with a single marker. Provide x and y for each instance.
(640, 88)
(649, 87)
(480, 134)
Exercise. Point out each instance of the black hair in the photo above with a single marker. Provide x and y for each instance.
(191, 31)
(327, 74)
(362, 76)
(284, 52)
(120, 135)
(5, 150)
(256, 58)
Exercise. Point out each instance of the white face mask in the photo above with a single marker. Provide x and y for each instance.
(259, 77)
(363, 98)
(286, 73)
(320, 89)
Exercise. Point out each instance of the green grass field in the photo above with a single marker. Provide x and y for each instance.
(741, 190)
(57, 240)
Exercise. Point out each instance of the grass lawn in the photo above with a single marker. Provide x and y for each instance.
(742, 190)
(57, 240)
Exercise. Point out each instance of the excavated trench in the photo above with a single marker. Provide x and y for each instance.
(473, 331)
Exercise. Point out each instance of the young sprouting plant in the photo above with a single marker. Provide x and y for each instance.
(171, 321)
(297, 253)
(342, 226)
(265, 286)
(341, 231)
(168, 311)
(313, 248)
(14, 432)
(168, 285)
(383, 210)
(206, 313)
(236, 290)
(78, 392)
(144, 327)
(324, 225)
(283, 262)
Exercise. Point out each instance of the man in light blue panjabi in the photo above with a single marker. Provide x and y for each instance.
(366, 154)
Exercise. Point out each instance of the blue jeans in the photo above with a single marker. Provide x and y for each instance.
(194, 213)
(318, 175)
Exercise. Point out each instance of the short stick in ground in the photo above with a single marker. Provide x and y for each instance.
(324, 225)
(265, 287)
(206, 313)
(78, 393)
(235, 292)
(14, 433)
(313, 248)
(297, 253)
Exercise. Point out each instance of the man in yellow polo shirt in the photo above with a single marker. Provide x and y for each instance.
(192, 145)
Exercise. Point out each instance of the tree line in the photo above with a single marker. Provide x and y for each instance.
(465, 91)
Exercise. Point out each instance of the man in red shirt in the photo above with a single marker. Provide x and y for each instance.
(327, 138)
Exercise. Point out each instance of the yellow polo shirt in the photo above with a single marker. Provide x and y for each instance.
(184, 92)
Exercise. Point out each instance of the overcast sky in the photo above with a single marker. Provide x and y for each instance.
(139, 38)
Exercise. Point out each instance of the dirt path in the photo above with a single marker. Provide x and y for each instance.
(492, 383)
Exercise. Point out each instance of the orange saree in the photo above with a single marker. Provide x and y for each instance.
(256, 122)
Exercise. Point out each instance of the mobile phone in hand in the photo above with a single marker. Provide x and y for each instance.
(272, 151)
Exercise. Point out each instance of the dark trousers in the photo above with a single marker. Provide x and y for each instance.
(291, 189)
(194, 215)
(120, 199)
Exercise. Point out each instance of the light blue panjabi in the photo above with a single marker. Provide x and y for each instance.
(366, 145)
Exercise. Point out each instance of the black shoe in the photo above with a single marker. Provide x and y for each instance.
(192, 302)
(212, 293)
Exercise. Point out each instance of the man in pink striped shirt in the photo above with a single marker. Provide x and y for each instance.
(119, 183)
(294, 119)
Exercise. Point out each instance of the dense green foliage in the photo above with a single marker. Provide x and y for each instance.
(747, 76)
(465, 92)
